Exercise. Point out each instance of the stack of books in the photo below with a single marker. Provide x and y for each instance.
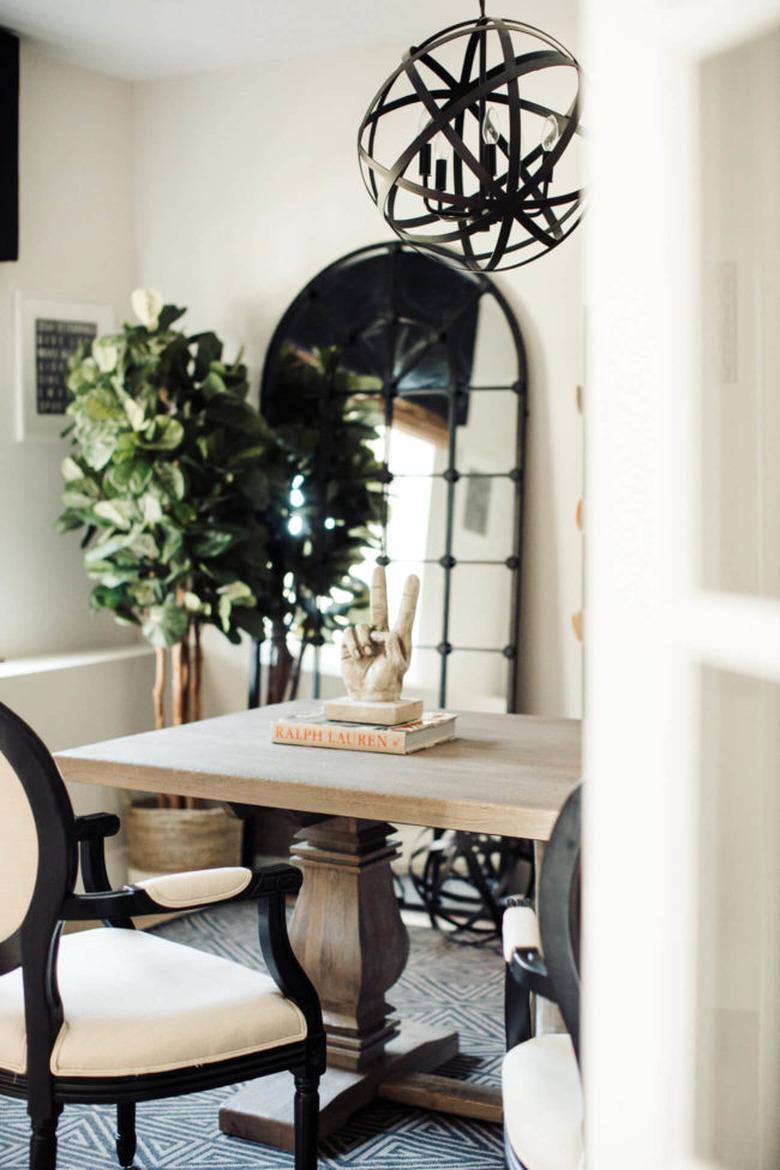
(316, 731)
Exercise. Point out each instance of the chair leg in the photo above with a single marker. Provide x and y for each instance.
(43, 1144)
(125, 1134)
(307, 1113)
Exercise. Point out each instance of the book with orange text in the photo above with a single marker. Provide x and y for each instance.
(317, 731)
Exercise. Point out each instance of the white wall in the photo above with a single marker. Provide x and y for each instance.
(246, 184)
(77, 244)
(77, 699)
(240, 185)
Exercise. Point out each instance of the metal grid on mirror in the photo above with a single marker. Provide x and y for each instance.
(440, 353)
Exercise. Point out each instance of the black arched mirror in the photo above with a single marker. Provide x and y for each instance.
(439, 354)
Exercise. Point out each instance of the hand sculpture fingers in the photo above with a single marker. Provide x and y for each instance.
(406, 612)
(363, 640)
(379, 598)
(349, 646)
(394, 649)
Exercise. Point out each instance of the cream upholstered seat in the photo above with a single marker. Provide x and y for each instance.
(543, 1106)
(136, 1004)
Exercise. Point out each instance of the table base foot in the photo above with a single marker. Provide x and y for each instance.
(262, 1112)
(439, 1094)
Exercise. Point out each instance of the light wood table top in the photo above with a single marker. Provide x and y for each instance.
(506, 774)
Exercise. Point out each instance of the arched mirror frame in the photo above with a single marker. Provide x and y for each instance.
(427, 331)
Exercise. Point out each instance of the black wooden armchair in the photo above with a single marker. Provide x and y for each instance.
(542, 1090)
(118, 1015)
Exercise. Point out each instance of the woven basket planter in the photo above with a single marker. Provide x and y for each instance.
(169, 840)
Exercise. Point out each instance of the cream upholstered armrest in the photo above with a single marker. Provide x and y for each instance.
(179, 891)
(520, 931)
(526, 972)
(200, 887)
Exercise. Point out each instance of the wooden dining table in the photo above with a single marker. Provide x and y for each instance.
(504, 774)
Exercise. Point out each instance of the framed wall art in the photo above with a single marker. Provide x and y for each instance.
(47, 333)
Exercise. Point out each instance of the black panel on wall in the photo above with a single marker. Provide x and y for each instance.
(9, 146)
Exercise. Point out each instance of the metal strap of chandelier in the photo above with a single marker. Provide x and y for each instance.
(488, 179)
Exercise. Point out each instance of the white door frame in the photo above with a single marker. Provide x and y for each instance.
(648, 625)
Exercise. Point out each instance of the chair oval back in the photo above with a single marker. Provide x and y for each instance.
(37, 828)
(559, 912)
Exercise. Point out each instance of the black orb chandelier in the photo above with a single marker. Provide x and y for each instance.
(469, 148)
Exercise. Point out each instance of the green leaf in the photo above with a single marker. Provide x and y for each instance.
(163, 433)
(171, 544)
(105, 549)
(70, 470)
(256, 487)
(213, 544)
(136, 413)
(166, 624)
(118, 512)
(213, 384)
(171, 479)
(74, 499)
(100, 405)
(225, 608)
(144, 593)
(68, 521)
(185, 513)
(104, 597)
(98, 448)
(209, 351)
(144, 546)
(131, 476)
(114, 577)
(169, 314)
(238, 593)
(105, 352)
(249, 620)
(151, 508)
(125, 449)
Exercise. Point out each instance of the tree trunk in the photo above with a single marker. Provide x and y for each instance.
(281, 666)
(196, 671)
(186, 678)
(158, 695)
(179, 667)
(159, 687)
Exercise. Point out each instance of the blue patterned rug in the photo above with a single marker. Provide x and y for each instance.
(443, 983)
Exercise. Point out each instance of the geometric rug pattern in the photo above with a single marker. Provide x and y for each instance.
(444, 983)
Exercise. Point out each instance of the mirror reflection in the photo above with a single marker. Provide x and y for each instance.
(432, 359)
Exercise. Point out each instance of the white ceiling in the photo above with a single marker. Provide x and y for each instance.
(144, 39)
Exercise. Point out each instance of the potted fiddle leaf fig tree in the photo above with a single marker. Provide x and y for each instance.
(170, 471)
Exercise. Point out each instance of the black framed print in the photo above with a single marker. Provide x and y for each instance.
(47, 333)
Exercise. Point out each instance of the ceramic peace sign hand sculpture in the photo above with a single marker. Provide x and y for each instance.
(374, 659)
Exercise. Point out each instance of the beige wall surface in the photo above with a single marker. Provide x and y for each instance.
(246, 185)
(72, 700)
(228, 191)
(76, 244)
